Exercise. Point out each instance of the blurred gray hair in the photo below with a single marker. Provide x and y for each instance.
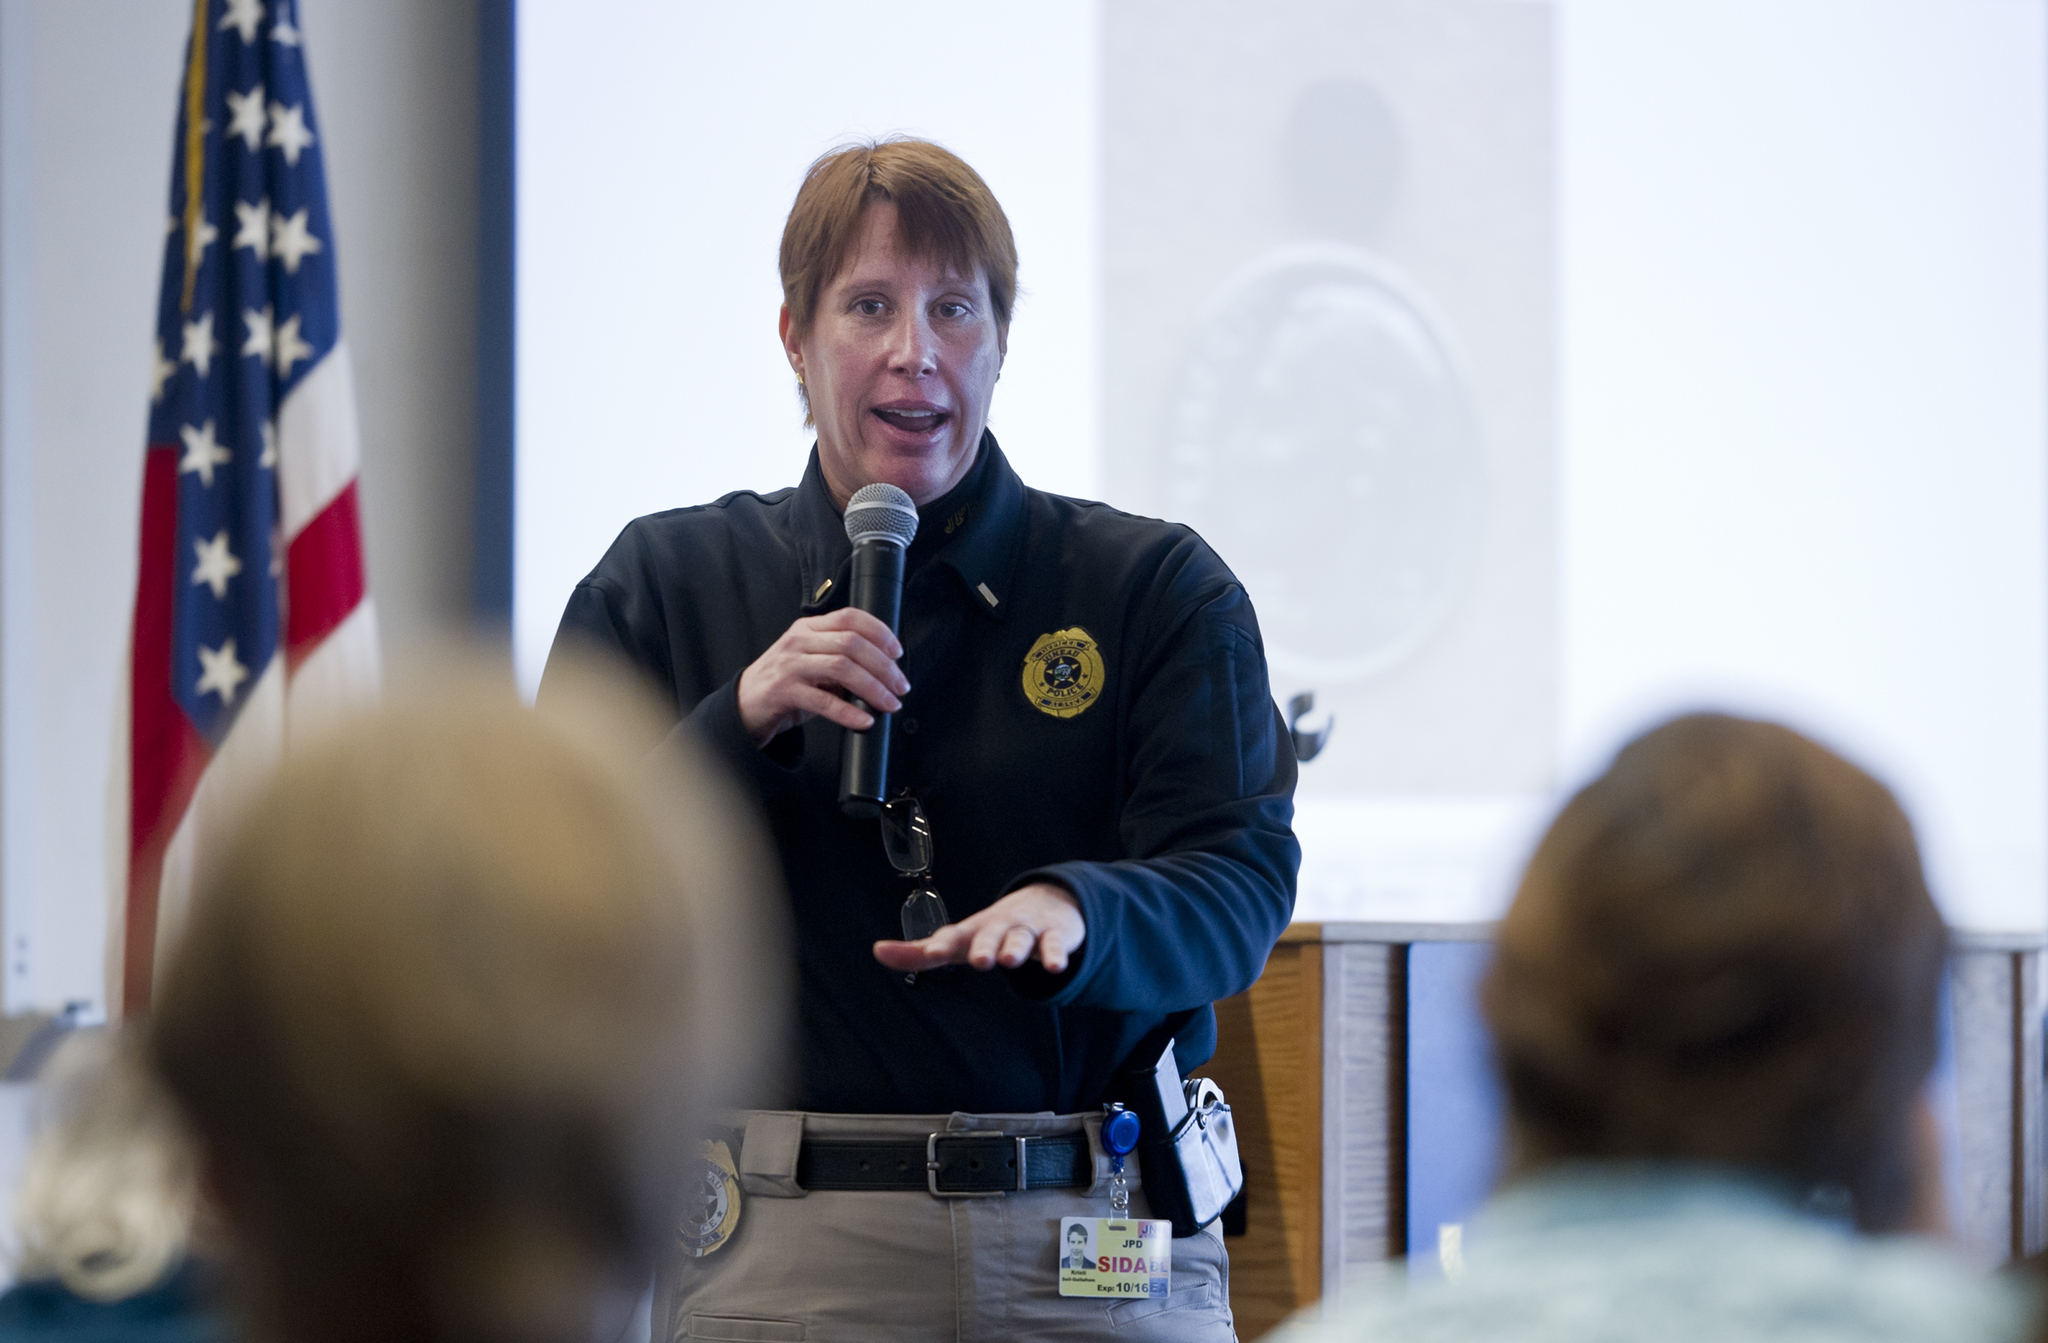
(107, 1194)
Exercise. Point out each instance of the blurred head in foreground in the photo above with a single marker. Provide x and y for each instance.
(107, 1192)
(451, 1006)
(1724, 952)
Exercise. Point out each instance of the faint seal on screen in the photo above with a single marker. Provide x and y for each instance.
(1322, 436)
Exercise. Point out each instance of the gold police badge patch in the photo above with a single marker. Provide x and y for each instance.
(1063, 673)
(711, 1208)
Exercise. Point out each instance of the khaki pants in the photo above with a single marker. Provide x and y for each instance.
(858, 1265)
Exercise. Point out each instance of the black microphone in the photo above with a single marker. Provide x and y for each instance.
(880, 520)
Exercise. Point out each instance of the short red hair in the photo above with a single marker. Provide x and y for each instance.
(943, 210)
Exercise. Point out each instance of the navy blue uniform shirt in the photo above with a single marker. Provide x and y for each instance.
(1154, 780)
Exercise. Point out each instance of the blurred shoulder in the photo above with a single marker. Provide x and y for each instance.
(1797, 1280)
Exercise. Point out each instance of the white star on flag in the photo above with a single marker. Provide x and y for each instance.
(290, 349)
(253, 227)
(247, 121)
(288, 130)
(200, 241)
(269, 458)
(290, 240)
(160, 371)
(216, 565)
(258, 337)
(220, 673)
(283, 32)
(200, 344)
(202, 453)
(244, 16)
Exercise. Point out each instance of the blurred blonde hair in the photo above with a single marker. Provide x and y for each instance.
(453, 1001)
(106, 1197)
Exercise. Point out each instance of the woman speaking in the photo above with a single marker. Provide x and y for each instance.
(1086, 839)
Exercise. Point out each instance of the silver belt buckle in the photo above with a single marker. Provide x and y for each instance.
(931, 1166)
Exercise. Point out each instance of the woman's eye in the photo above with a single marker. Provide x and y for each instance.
(868, 307)
(952, 310)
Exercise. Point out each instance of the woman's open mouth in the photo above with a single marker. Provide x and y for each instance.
(920, 419)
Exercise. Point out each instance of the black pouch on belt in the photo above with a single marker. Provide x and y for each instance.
(1187, 1145)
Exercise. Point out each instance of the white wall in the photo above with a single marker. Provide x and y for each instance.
(1805, 406)
(91, 88)
(658, 153)
(1803, 430)
(100, 99)
(1802, 470)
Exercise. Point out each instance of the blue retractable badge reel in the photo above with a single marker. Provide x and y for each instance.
(1120, 1136)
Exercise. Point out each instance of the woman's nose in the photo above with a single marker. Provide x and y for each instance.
(913, 346)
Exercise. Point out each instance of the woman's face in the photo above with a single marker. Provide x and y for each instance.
(901, 360)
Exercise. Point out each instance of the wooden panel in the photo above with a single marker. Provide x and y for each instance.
(1269, 1062)
(2030, 1217)
(1995, 1002)
(1364, 1106)
(1981, 997)
(1313, 1060)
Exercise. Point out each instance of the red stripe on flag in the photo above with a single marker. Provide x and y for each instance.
(324, 567)
(166, 754)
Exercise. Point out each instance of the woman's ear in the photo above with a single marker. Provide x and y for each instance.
(790, 345)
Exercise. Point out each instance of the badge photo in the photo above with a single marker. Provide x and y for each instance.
(1122, 1257)
(711, 1208)
(1063, 672)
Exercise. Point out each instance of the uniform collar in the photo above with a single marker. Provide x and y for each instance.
(821, 545)
(987, 530)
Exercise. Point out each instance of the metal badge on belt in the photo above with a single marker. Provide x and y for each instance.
(711, 1209)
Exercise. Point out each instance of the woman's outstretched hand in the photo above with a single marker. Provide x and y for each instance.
(1039, 922)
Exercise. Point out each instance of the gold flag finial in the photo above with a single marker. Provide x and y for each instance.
(195, 149)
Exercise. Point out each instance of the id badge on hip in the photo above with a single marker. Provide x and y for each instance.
(1114, 1256)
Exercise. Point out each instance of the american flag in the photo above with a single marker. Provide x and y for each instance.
(251, 618)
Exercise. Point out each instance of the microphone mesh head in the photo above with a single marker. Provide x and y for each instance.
(880, 511)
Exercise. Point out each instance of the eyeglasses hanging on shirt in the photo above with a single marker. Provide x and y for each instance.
(907, 840)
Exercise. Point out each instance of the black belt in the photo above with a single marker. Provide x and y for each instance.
(949, 1165)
